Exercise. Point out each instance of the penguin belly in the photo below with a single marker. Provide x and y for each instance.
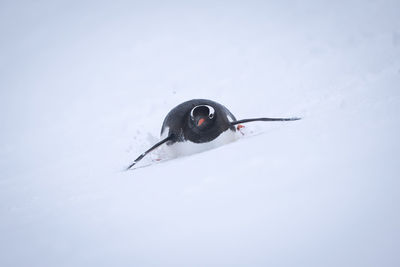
(187, 147)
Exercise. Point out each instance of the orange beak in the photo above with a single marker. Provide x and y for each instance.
(200, 122)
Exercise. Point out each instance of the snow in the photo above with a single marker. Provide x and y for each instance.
(85, 87)
(189, 148)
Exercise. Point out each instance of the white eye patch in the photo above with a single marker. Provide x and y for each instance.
(211, 110)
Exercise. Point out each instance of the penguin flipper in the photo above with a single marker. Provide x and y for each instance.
(265, 119)
(170, 137)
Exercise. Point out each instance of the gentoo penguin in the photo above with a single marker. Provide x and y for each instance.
(200, 121)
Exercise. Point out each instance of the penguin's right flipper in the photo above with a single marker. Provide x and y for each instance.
(170, 137)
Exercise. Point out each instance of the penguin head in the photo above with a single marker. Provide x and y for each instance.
(202, 118)
(203, 124)
(197, 121)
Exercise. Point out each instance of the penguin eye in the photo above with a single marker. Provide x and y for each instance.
(206, 110)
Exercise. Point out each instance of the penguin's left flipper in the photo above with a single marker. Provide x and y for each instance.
(264, 119)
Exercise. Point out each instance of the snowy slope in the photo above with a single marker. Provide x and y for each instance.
(85, 86)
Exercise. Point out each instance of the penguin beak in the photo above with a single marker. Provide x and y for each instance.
(200, 122)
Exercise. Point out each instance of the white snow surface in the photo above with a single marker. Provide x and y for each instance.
(188, 148)
(84, 89)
